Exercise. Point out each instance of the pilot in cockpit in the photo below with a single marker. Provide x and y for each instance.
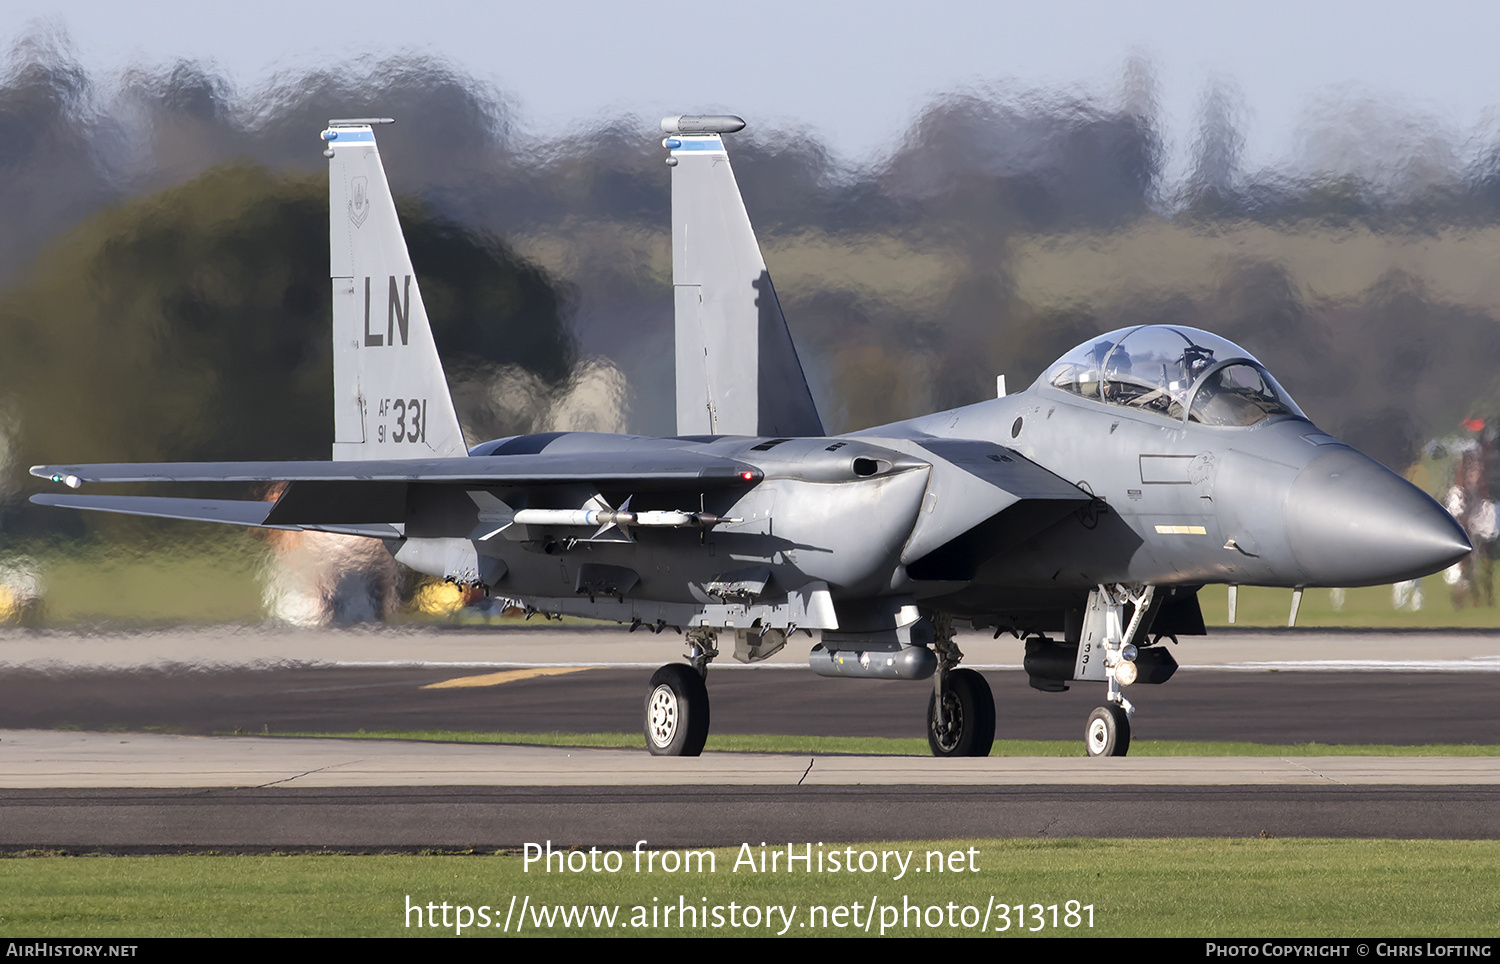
(1118, 366)
(1195, 361)
(1099, 354)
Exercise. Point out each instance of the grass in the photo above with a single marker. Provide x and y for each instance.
(1151, 888)
(823, 745)
(184, 577)
(200, 582)
(1367, 608)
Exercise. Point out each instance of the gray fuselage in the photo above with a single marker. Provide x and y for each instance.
(881, 514)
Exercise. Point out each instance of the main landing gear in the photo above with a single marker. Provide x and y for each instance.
(966, 725)
(677, 701)
(961, 710)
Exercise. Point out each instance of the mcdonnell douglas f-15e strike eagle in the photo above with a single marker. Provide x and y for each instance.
(1082, 514)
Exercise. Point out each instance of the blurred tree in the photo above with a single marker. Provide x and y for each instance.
(194, 324)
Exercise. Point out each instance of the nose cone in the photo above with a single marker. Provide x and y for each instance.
(1353, 522)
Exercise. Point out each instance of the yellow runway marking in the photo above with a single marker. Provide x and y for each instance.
(504, 676)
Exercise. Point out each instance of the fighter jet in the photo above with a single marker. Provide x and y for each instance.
(1082, 514)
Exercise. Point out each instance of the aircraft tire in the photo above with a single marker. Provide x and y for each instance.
(971, 712)
(1108, 732)
(676, 711)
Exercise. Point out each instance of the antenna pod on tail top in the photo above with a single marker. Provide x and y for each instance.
(737, 369)
(390, 398)
(702, 124)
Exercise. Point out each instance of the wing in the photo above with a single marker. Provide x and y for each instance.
(366, 497)
(673, 466)
(229, 511)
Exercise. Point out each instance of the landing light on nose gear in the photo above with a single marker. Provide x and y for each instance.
(1125, 670)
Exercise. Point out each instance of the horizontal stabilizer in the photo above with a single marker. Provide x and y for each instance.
(636, 468)
(228, 511)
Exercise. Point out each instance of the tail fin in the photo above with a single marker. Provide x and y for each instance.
(390, 399)
(737, 369)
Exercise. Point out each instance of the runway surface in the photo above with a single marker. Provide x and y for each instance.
(1396, 688)
(1259, 707)
(39, 758)
(151, 793)
(483, 818)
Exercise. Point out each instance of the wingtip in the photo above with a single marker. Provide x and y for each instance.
(53, 474)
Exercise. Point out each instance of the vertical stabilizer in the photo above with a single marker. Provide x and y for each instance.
(390, 399)
(737, 369)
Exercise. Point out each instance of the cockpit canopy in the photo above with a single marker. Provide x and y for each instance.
(1176, 372)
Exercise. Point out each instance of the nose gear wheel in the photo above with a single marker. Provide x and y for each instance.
(1108, 732)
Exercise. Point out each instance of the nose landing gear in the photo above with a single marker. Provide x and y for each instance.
(1108, 730)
